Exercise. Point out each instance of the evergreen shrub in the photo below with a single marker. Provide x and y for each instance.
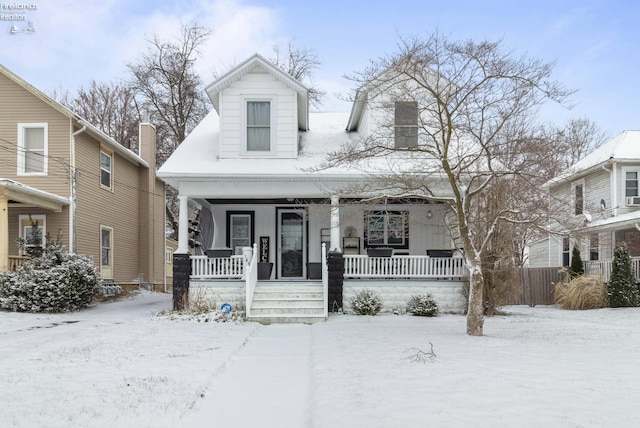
(622, 290)
(366, 302)
(422, 305)
(56, 281)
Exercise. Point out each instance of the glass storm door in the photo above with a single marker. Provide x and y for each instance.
(292, 240)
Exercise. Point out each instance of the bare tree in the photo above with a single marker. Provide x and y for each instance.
(471, 97)
(111, 107)
(167, 85)
(300, 64)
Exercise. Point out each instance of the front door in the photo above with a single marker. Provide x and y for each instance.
(292, 243)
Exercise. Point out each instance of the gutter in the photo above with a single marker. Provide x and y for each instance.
(73, 206)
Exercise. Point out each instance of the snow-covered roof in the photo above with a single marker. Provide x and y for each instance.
(197, 156)
(259, 63)
(624, 147)
(603, 223)
(20, 192)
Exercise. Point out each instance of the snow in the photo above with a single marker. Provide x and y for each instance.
(120, 364)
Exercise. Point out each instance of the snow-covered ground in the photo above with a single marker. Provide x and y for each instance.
(120, 365)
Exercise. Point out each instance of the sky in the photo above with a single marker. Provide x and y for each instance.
(594, 43)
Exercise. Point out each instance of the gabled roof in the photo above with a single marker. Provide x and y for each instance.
(258, 63)
(624, 147)
(79, 121)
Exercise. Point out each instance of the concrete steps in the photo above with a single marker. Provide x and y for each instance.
(288, 302)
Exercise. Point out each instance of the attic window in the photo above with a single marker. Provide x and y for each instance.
(258, 126)
(406, 124)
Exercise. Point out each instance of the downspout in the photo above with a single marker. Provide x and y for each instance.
(73, 242)
(614, 194)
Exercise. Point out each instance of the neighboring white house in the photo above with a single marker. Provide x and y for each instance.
(598, 198)
(247, 170)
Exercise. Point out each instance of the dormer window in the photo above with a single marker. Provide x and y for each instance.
(258, 126)
(406, 124)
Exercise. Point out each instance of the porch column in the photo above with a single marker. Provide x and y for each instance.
(183, 226)
(4, 232)
(335, 224)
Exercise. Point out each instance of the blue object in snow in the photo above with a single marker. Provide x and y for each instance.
(226, 308)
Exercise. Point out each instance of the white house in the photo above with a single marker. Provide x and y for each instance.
(599, 200)
(247, 174)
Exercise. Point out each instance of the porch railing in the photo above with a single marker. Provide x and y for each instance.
(217, 267)
(325, 280)
(16, 261)
(251, 278)
(360, 266)
(603, 268)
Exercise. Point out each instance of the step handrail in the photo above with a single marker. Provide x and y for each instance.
(251, 277)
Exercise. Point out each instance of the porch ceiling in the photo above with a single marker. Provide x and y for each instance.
(16, 192)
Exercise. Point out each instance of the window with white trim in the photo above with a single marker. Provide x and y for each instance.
(566, 251)
(579, 199)
(631, 183)
(105, 169)
(240, 232)
(386, 229)
(32, 148)
(406, 124)
(594, 247)
(258, 126)
(106, 247)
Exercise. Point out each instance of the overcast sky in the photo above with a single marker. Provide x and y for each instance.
(594, 42)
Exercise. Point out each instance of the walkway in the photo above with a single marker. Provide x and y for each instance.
(268, 383)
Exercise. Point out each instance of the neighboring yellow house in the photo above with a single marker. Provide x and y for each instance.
(103, 198)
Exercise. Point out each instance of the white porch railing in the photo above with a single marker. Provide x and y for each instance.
(325, 280)
(603, 268)
(217, 267)
(359, 266)
(251, 278)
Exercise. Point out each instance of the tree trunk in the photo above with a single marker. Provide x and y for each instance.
(475, 312)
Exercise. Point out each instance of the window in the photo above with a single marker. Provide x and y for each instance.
(406, 124)
(32, 148)
(240, 230)
(258, 126)
(27, 229)
(579, 199)
(594, 247)
(106, 251)
(387, 229)
(565, 251)
(105, 169)
(631, 183)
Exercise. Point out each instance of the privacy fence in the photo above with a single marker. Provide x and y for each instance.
(536, 285)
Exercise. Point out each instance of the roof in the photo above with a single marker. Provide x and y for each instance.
(326, 133)
(631, 219)
(79, 121)
(22, 193)
(258, 63)
(624, 147)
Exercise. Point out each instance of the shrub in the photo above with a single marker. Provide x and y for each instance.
(622, 290)
(422, 305)
(583, 292)
(54, 282)
(366, 302)
(577, 266)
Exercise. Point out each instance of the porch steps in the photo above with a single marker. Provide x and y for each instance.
(288, 302)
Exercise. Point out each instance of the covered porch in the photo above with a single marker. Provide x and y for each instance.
(16, 198)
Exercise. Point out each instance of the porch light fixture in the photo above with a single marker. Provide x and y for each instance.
(429, 214)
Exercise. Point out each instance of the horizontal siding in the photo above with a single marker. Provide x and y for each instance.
(55, 223)
(17, 105)
(232, 112)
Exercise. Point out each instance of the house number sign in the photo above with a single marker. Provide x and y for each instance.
(264, 249)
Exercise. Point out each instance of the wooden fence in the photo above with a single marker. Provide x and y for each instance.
(536, 286)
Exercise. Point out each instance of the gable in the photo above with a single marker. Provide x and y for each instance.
(258, 65)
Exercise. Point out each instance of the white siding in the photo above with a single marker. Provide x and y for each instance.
(284, 114)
